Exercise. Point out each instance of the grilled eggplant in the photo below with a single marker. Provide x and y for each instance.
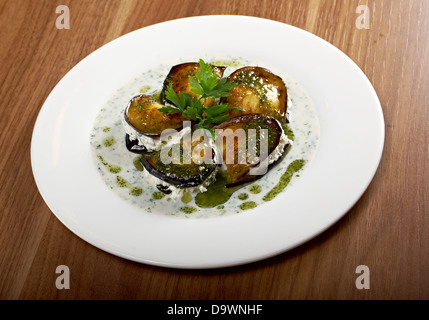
(179, 78)
(144, 115)
(189, 169)
(144, 123)
(238, 167)
(258, 90)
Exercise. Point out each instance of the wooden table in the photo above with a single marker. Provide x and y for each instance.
(387, 230)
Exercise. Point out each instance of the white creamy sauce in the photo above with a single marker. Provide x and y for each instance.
(116, 164)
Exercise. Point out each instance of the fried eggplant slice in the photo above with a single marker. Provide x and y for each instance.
(233, 137)
(179, 78)
(143, 114)
(188, 169)
(258, 90)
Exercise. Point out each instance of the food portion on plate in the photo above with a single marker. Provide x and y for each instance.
(180, 77)
(276, 141)
(144, 123)
(205, 137)
(171, 171)
(197, 92)
(258, 90)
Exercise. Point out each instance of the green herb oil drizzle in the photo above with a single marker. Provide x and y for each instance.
(285, 179)
(217, 193)
(134, 191)
(112, 168)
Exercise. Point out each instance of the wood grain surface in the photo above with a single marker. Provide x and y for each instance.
(387, 230)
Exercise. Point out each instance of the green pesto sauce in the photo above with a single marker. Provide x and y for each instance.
(106, 129)
(258, 125)
(255, 189)
(158, 195)
(220, 207)
(112, 168)
(145, 89)
(248, 205)
(254, 83)
(187, 197)
(137, 163)
(234, 63)
(243, 196)
(136, 191)
(108, 142)
(288, 131)
(217, 193)
(156, 96)
(188, 209)
(285, 179)
(121, 182)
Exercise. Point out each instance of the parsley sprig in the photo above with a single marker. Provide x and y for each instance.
(207, 85)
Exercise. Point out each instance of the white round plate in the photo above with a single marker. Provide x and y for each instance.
(349, 151)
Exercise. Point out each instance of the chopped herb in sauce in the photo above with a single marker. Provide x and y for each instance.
(112, 168)
(121, 182)
(243, 196)
(136, 191)
(255, 188)
(188, 209)
(108, 142)
(158, 195)
(145, 89)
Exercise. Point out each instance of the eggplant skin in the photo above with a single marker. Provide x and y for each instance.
(143, 114)
(238, 172)
(258, 90)
(179, 78)
(134, 146)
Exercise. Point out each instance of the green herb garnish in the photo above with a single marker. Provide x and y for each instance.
(207, 85)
